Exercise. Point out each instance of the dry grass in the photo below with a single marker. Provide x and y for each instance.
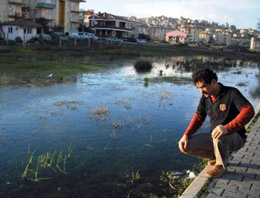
(101, 111)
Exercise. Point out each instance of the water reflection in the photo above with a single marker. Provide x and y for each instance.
(115, 124)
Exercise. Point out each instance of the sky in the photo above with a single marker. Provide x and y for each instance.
(241, 13)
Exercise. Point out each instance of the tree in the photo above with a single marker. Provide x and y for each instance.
(258, 24)
(44, 22)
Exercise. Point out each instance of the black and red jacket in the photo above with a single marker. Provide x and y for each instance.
(230, 108)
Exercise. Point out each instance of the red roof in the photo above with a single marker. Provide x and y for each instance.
(22, 22)
(176, 33)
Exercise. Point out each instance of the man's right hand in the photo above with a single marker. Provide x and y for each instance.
(183, 143)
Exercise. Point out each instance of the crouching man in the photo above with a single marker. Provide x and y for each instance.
(229, 111)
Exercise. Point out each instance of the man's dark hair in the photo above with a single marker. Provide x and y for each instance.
(204, 74)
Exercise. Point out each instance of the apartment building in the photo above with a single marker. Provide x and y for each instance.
(222, 39)
(12, 9)
(62, 13)
(192, 31)
(204, 37)
(106, 25)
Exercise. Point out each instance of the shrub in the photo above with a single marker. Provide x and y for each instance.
(18, 39)
(142, 66)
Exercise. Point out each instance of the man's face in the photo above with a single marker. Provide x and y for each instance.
(205, 89)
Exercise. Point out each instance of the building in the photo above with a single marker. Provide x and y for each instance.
(13, 9)
(222, 39)
(107, 25)
(139, 28)
(62, 13)
(255, 43)
(192, 31)
(240, 41)
(176, 36)
(158, 33)
(205, 37)
(20, 28)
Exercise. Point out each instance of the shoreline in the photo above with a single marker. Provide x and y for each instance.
(47, 65)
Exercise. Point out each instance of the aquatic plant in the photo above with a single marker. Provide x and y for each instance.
(69, 153)
(124, 103)
(102, 111)
(132, 177)
(44, 162)
(168, 178)
(143, 66)
(28, 166)
(72, 105)
(118, 125)
(146, 81)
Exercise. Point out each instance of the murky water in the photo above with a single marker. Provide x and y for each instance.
(104, 130)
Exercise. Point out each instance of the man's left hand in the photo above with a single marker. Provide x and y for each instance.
(219, 131)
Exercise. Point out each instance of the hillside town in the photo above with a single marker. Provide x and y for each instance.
(27, 18)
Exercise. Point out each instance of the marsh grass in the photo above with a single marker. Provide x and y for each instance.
(45, 164)
(132, 176)
(72, 105)
(101, 111)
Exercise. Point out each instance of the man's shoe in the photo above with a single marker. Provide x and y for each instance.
(211, 162)
(216, 171)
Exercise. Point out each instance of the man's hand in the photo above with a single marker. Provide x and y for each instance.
(219, 131)
(183, 143)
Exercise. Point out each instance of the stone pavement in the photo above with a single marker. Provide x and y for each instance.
(243, 178)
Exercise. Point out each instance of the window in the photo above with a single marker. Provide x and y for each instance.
(29, 31)
(24, 31)
(10, 29)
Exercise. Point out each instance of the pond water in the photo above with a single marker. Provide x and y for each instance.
(108, 134)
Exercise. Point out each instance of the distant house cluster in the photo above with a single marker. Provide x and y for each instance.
(66, 15)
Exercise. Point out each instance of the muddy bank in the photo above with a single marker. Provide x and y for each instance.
(34, 80)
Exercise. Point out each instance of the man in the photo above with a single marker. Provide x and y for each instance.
(229, 112)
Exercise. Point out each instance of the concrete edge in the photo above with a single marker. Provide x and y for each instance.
(195, 187)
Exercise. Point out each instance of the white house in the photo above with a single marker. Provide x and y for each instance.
(19, 28)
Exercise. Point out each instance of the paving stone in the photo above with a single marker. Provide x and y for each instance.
(211, 195)
(234, 162)
(238, 184)
(253, 170)
(217, 191)
(221, 180)
(230, 194)
(233, 177)
(258, 177)
(231, 169)
(246, 184)
(256, 187)
(231, 188)
(254, 166)
(253, 193)
(241, 169)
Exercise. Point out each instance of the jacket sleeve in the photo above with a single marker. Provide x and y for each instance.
(246, 114)
(195, 124)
